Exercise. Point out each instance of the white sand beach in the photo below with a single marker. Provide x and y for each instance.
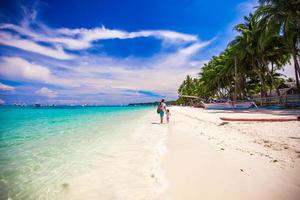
(207, 159)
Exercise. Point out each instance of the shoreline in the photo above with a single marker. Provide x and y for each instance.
(130, 169)
(210, 160)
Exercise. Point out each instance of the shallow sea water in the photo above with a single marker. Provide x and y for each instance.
(75, 153)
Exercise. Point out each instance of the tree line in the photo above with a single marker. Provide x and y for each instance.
(267, 40)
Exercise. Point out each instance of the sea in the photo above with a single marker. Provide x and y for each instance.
(74, 152)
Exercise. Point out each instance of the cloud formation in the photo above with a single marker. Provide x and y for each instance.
(60, 40)
(160, 73)
(20, 69)
(61, 65)
(4, 87)
(28, 45)
(47, 92)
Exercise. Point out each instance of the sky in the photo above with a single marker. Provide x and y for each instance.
(109, 52)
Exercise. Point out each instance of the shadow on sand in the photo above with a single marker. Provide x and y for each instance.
(155, 123)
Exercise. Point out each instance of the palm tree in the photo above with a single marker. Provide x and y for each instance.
(283, 17)
(247, 46)
(262, 50)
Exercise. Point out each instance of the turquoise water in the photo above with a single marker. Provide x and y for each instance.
(41, 148)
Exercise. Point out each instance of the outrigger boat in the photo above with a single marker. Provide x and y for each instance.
(277, 119)
(229, 105)
(224, 105)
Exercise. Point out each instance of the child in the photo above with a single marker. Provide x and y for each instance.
(168, 115)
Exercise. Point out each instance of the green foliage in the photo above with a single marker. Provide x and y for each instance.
(266, 42)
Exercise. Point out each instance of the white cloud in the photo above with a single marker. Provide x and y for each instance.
(161, 73)
(192, 49)
(28, 45)
(76, 39)
(6, 87)
(21, 69)
(16, 68)
(2, 102)
(166, 35)
(86, 36)
(118, 79)
(47, 92)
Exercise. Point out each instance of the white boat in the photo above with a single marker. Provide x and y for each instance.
(229, 105)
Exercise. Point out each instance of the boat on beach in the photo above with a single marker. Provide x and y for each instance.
(222, 105)
(278, 119)
(229, 105)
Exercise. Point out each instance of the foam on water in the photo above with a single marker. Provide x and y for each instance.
(80, 153)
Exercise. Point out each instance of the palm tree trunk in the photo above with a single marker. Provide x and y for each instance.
(260, 76)
(296, 65)
(271, 75)
(262, 88)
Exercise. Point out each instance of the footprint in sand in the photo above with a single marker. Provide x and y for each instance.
(65, 186)
(223, 123)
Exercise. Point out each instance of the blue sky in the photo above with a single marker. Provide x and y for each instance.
(108, 52)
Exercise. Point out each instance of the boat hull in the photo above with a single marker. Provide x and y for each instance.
(244, 105)
(229, 105)
(260, 119)
(218, 106)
